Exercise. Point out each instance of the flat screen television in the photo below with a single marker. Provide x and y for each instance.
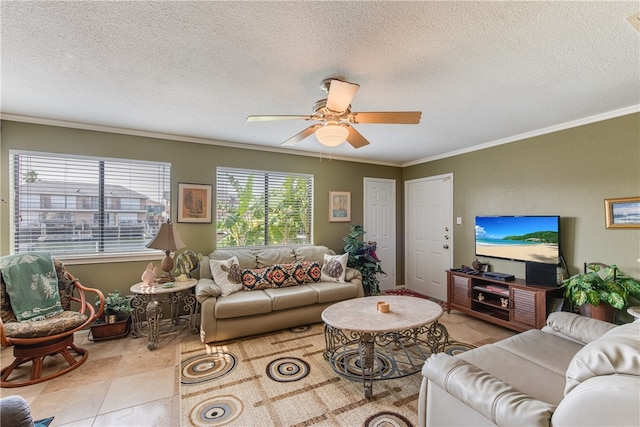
(519, 238)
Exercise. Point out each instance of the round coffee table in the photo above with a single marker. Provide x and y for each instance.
(364, 343)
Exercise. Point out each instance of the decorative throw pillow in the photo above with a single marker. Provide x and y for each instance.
(334, 267)
(311, 270)
(227, 275)
(256, 279)
(284, 275)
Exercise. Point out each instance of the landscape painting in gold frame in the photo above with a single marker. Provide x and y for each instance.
(622, 212)
(339, 206)
(194, 203)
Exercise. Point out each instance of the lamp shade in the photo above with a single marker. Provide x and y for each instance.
(332, 135)
(167, 238)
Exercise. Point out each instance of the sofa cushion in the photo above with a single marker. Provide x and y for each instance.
(547, 350)
(332, 291)
(296, 296)
(334, 267)
(246, 257)
(615, 352)
(227, 275)
(311, 253)
(517, 371)
(255, 279)
(242, 304)
(275, 255)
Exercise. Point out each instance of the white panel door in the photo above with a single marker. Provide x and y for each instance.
(380, 225)
(428, 234)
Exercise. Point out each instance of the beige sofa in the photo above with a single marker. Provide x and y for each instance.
(576, 371)
(241, 312)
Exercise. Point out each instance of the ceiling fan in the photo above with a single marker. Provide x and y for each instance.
(335, 117)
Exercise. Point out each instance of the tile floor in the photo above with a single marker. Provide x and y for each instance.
(124, 384)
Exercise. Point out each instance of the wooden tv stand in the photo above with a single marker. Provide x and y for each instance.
(512, 304)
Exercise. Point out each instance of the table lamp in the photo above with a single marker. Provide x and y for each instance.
(167, 240)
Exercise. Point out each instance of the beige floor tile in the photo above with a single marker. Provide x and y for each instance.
(147, 386)
(80, 423)
(70, 405)
(157, 413)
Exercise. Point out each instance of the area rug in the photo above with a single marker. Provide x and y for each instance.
(282, 379)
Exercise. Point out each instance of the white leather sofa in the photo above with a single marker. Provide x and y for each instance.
(576, 371)
(225, 315)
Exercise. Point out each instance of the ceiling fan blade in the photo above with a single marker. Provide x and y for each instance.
(399, 117)
(355, 138)
(340, 95)
(302, 135)
(272, 118)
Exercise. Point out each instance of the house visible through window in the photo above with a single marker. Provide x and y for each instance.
(258, 208)
(85, 206)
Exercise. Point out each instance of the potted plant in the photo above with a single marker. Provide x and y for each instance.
(362, 257)
(116, 319)
(601, 290)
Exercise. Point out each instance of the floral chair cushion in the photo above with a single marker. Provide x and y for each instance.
(43, 328)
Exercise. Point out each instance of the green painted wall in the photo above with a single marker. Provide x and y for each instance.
(195, 163)
(567, 173)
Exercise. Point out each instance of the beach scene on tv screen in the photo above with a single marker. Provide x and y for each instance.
(519, 238)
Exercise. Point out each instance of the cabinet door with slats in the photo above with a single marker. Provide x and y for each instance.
(524, 307)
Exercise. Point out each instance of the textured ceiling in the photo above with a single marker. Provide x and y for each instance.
(481, 72)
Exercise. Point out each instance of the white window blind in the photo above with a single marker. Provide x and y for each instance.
(85, 206)
(258, 208)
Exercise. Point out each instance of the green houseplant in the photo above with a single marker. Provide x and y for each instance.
(362, 257)
(601, 285)
(116, 320)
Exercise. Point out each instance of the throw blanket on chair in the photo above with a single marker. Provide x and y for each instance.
(32, 285)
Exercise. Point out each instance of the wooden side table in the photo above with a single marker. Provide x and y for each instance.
(148, 300)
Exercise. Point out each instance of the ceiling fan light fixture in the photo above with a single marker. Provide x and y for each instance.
(332, 135)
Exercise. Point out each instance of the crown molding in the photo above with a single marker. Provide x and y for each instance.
(555, 128)
(190, 139)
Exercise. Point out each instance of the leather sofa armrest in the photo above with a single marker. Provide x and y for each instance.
(354, 276)
(578, 328)
(206, 288)
(486, 394)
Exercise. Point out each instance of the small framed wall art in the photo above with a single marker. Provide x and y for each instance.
(194, 203)
(339, 206)
(622, 212)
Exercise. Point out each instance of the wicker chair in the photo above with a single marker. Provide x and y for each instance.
(32, 341)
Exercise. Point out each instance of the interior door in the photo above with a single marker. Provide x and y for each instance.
(380, 225)
(429, 234)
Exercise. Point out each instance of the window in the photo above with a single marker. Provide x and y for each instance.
(257, 208)
(85, 206)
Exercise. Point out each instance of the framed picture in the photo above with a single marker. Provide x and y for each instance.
(339, 206)
(623, 212)
(194, 203)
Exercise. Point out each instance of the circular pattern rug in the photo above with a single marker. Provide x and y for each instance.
(349, 364)
(217, 411)
(387, 419)
(454, 348)
(206, 367)
(287, 369)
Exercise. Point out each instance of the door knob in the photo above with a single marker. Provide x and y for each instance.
(445, 246)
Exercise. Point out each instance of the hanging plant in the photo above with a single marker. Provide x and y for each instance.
(362, 257)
